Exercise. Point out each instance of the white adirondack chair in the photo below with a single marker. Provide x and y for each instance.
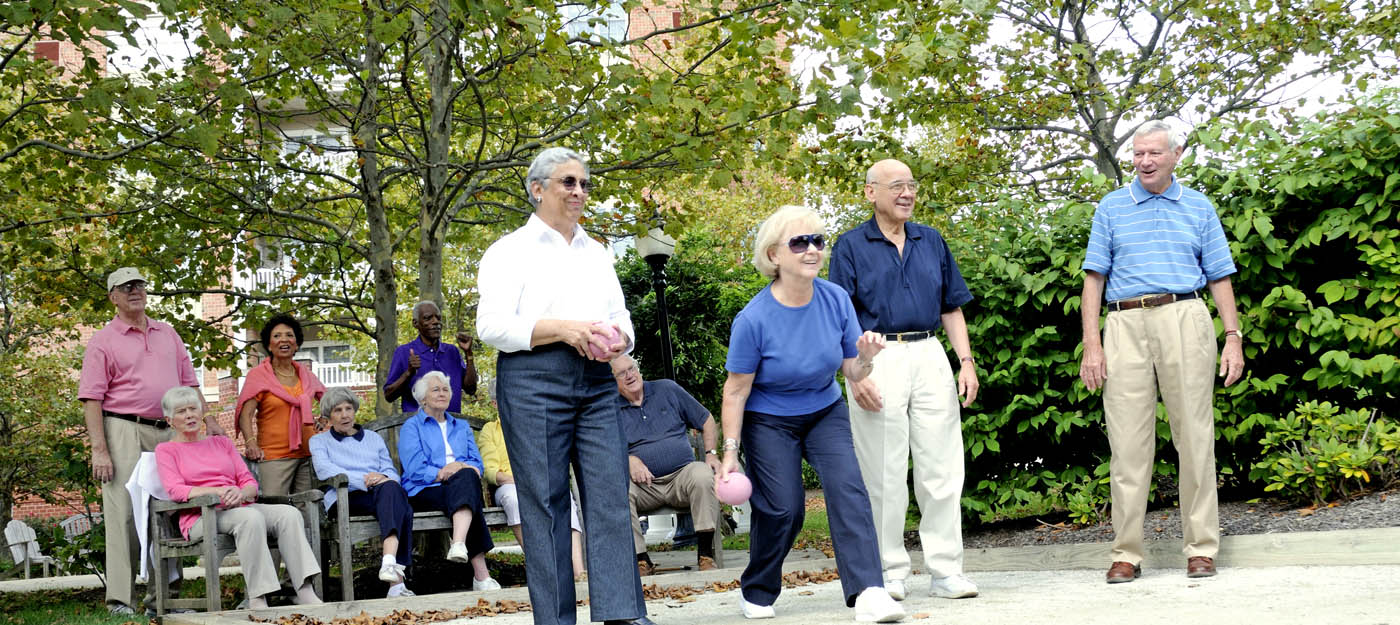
(24, 547)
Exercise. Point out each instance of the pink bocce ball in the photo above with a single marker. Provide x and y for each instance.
(735, 491)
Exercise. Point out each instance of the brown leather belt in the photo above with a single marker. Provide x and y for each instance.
(159, 424)
(1150, 301)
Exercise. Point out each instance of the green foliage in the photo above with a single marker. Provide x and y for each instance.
(706, 287)
(1057, 87)
(1320, 452)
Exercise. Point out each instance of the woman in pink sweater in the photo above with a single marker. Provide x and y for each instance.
(192, 464)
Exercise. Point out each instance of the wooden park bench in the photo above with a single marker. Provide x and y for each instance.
(343, 531)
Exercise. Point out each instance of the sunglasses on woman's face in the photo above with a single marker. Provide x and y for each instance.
(570, 182)
(799, 243)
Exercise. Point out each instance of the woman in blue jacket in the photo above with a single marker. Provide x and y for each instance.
(442, 471)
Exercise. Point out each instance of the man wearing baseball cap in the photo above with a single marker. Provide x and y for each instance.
(128, 365)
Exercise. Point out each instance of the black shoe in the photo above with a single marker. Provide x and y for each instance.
(641, 620)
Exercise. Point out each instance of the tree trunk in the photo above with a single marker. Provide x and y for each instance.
(437, 41)
(381, 245)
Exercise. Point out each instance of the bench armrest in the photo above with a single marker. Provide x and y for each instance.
(292, 499)
(159, 505)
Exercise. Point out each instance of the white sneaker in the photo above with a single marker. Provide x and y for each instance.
(485, 584)
(399, 590)
(874, 605)
(896, 589)
(952, 587)
(458, 553)
(758, 611)
(391, 573)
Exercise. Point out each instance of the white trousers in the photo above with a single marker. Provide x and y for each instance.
(920, 415)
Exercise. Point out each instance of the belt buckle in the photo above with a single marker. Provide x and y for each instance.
(1142, 301)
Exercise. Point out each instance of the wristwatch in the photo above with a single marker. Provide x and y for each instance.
(711, 452)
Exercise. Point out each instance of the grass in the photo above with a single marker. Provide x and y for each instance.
(64, 607)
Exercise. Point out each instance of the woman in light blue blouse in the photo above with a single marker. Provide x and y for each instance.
(781, 399)
(442, 471)
(363, 457)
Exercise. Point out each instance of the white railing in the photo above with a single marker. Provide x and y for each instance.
(341, 375)
(268, 280)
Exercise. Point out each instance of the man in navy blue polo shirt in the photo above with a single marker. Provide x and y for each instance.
(905, 285)
(428, 353)
(1156, 244)
(656, 417)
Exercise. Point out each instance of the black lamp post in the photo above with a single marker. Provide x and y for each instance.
(656, 248)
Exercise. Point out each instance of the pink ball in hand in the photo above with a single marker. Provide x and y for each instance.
(602, 341)
(735, 491)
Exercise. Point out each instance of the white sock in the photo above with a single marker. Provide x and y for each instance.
(396, 589)
(257, 603)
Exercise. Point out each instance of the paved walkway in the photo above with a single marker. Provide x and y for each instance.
(1303, 578)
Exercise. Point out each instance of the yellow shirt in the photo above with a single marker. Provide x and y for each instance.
(492, 444)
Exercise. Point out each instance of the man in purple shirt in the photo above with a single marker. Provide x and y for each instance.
(127, 367)
(655, 417)
(428, 353)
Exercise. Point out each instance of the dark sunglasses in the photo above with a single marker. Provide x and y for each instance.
(799, 243)
(570, 182)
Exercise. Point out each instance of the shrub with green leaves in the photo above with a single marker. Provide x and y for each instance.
(1319, 452)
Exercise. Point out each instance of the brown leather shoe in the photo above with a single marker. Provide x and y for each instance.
(1123, 572)
(645, 568)
(707, 563)
(1200, 566)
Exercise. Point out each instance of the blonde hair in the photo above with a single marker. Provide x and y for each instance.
(771, 232)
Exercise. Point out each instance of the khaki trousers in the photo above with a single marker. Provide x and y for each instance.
(284, 476)
(125, 442)
(1170, 349)
(691, 487)
(921, 415)
(250, 526)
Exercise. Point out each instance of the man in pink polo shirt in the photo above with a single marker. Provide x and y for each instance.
(129, 364)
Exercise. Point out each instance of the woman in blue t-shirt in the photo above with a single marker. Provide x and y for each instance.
(782, 401)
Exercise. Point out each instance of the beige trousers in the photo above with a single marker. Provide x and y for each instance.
(1170, 349)
(250, 527)
(921, 415)
(693, 487)
(284, 476)
(125, 442)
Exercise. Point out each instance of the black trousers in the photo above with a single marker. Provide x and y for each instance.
(462, 490)
(388, 503)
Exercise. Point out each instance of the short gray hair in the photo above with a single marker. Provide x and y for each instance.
(419, 306)
(335, 396)
(544, 165)
(179, 397)
(1158, 125)
(771, 231)
(420, 388)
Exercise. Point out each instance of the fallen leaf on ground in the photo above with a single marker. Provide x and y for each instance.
(920, 616)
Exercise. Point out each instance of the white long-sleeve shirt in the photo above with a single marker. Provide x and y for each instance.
(533, 274)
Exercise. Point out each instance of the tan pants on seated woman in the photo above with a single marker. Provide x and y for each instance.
(250, 527)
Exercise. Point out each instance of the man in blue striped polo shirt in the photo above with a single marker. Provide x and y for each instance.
(1156, 244)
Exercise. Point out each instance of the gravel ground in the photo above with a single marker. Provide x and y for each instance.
(1236, 517)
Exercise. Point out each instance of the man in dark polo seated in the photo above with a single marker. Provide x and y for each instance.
(656, 417)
